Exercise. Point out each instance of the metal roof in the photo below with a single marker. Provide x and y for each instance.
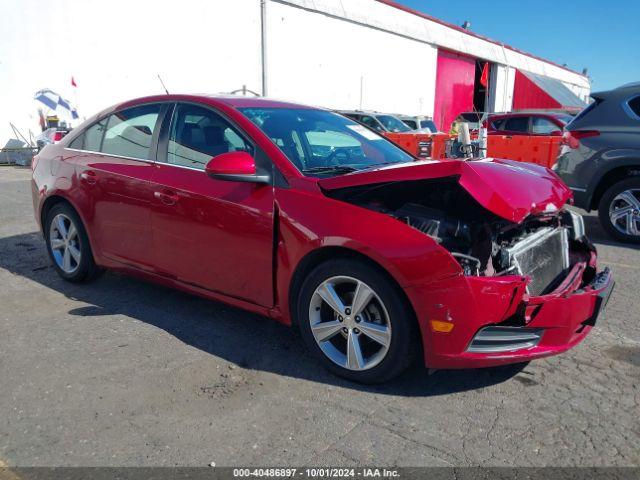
(556, 90)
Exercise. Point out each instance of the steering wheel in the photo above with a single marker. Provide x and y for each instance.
(332, 158)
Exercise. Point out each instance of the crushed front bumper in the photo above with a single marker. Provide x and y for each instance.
(496, 322)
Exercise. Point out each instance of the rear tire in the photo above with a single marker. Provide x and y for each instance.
(68, 245)
(619, 210)
(382, 329)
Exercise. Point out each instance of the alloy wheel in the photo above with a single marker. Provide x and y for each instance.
(624, 212)
(65, 243)
(350, 323)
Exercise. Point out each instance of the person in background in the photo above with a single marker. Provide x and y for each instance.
(455, 126)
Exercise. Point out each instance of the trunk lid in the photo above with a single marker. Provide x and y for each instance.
(509, 189)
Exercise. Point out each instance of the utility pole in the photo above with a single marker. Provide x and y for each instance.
(263, 52)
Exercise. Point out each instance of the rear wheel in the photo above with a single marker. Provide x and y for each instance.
(619, 210)
(354, 320)
(68, 244)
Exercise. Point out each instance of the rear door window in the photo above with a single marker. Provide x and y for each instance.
(517, 125)
(129, 132)
(499, 124)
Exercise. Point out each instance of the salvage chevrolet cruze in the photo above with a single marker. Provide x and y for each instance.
(307, 217)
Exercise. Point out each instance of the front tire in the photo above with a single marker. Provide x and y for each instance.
(619, 210)
(68, 245)
(356, 322)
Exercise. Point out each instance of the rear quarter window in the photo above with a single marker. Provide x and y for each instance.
(91, 139)
(634, 106)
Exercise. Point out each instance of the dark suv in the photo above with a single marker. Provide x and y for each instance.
(600, 160)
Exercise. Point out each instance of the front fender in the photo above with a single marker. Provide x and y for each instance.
(308, 221)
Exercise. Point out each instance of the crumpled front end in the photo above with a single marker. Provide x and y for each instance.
(472, 322)
(537, 293)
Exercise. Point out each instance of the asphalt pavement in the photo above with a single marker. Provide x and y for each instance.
(121, 372)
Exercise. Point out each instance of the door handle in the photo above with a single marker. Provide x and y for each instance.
(89, 177)
(166, 198)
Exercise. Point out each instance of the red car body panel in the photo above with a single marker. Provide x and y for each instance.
(242, 243)
(409, 141)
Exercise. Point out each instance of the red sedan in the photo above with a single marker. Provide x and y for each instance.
(307, 217)
(528, 137)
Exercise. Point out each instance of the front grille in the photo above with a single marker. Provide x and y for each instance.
(543, 256)
(504, 339)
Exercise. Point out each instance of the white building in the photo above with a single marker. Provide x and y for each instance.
(344, 54)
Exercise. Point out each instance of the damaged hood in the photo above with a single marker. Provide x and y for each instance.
(509, 189)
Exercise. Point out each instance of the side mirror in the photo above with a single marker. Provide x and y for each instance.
(235, 167)
(556, 133)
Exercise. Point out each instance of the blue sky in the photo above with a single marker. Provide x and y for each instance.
(602, 36)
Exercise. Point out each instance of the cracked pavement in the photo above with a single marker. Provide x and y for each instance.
(125, 373)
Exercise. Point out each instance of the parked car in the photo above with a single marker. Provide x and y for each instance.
(526, 136)
(419, 123)
(474, 119)
(600, 160)
(528, 123)
(307, 217)
(380, 122)
(51, 135)
(390, 126)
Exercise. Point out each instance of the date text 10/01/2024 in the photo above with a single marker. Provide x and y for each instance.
(316, 472)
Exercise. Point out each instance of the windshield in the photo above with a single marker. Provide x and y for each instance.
(429, 124)
(392, 124)
(321, 143)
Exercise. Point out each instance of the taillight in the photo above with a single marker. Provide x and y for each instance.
(424, 149)
(572, 138)
(57, 136)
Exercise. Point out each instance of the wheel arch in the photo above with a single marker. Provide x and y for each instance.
(55, 199)
(631, 168)
(51, 202)
(326, 253)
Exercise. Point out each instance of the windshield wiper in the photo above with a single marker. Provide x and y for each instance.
(331, 169)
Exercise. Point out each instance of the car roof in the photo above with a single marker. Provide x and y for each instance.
(235, 101)
(372, 113)
(624, 90)
(528, 113)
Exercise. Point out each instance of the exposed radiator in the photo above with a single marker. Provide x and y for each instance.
(543, 255)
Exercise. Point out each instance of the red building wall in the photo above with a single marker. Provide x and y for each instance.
(455, 76)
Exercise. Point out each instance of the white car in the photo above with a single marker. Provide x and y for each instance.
(419, 123)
